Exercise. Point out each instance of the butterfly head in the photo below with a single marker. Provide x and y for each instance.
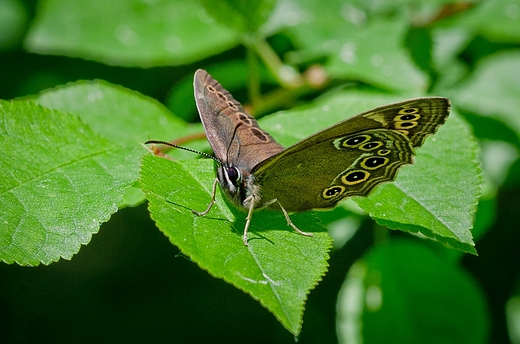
(235, 183)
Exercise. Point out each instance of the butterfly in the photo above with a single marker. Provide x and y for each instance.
(347, 159)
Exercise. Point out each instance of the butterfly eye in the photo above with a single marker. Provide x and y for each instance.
(233, 174)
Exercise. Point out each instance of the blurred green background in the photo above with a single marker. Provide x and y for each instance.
(130, 284)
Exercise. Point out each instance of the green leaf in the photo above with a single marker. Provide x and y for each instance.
(128, 33)
(493, 89)
(353, 46)
(278, 268)
(245, 16)
(375, 54)
(59, 181)
(437, 196)
(405, 293)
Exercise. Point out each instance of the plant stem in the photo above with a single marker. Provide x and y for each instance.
(286, 75)
(254, 77)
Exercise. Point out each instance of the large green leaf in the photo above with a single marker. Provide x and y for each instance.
(70, 175)
(129, 33)
(58, 182)
(278, 268)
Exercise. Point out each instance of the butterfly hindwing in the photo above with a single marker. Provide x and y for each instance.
(350, 158)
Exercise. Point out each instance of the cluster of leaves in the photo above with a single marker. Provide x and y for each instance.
(73, 154)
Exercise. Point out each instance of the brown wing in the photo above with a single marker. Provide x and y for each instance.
(234, 135)
(351, 157)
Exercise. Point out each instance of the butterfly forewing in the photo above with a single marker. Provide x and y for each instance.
(234, 135)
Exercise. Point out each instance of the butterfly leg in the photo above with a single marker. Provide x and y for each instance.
(213, 193)
(249, 199)
(290, 223)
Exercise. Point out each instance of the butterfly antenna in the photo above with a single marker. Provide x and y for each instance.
(181, 147)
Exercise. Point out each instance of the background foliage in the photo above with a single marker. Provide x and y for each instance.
(76, 145)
